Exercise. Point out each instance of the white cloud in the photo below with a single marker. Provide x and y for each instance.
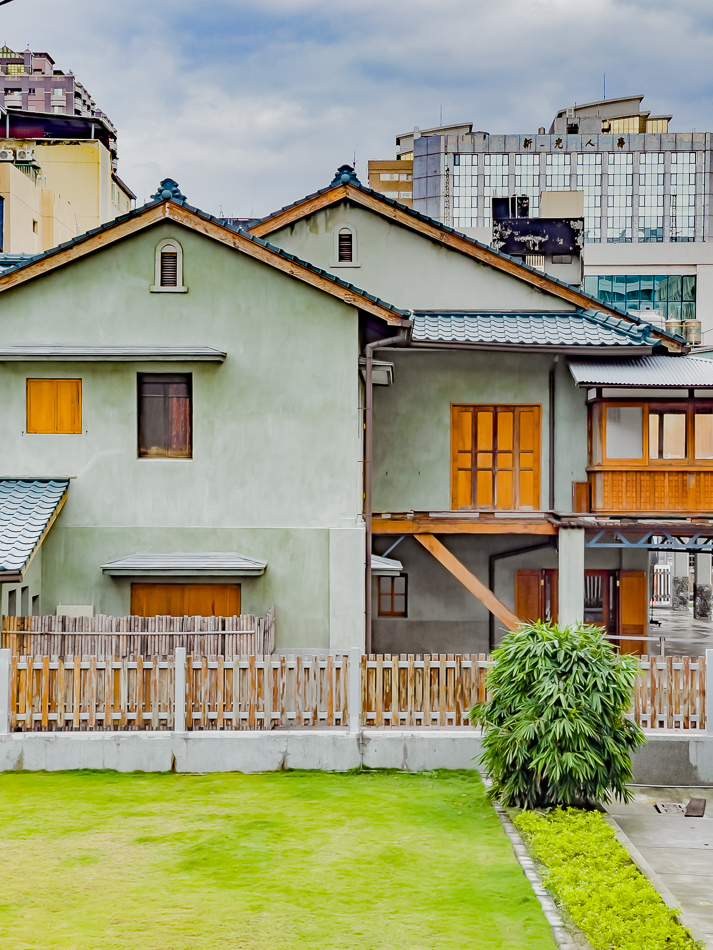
(250, 106)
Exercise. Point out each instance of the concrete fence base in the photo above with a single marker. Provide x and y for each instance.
(330, 750)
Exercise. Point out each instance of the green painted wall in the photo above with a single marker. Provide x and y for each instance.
(406, 268)
(412, 422)
(276, 427)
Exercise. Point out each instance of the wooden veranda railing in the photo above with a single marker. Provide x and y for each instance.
(133, 636)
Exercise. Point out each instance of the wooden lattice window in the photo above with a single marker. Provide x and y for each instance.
(346, 246)
(169, 268)
(392, 596)
(495, 457)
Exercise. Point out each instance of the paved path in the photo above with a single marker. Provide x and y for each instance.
(692, 637)
(679, 850)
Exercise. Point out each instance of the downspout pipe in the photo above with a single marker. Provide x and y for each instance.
(399, 338)
(549, 543)
(552, 394)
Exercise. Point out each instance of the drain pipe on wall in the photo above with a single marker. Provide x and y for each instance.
(549, 543)
(553, 370)
(399, 338)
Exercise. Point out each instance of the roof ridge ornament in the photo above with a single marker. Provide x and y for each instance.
(345, 175)
(168, 190)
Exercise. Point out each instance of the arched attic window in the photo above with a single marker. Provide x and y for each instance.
(345, 247)
(168, 268)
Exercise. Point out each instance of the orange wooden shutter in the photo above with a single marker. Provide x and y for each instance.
(529, 457)
(461, 457)
(484, 439)
(54, 405)
(505, 460)
(528, 595)
(633, 604)
(69, 405)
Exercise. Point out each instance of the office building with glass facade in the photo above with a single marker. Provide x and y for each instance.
(646, 196)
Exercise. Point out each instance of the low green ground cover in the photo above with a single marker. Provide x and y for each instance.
(92, 861)
(591, 874)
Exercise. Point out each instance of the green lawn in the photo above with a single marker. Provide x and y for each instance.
(94, 860)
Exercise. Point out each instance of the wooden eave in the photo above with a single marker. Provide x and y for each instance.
(422, 523)
(170, 211)
(443, 236)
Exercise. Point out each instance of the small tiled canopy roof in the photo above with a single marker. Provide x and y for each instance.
(558, 328)
(27, 507)
(185, 564)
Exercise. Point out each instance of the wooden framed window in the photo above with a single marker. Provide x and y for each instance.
(185, 600)
(667, 433)
(393, 592)
(165, 415)
(658, 434)
(345, 247)
(54, 406)
(495, 457)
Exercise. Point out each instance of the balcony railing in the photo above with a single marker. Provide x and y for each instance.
(655, 491)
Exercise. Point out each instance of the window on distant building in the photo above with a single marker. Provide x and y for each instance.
(651, 187)
(620, 180)
(392, 596)
(54, 406)
(672, 296)
(168, 268)
(345, 245)
(15, 69)
(527, 180)
(682, 209)
(495, 183)
(465, 191)
(165, 415)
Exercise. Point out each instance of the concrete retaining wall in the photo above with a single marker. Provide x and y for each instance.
(664, 760)
(331, 750)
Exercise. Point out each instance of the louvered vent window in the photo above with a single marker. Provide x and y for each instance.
(169, 269)
(346, 248)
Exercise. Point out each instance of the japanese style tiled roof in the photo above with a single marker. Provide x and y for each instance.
(185, 563)
(278, 252)
(682, 372)
(354, 183)
(560, 328)
(26, 508)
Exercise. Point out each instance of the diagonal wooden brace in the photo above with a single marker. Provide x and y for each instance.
(469, 580)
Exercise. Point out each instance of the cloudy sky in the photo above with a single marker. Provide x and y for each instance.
(250, 105)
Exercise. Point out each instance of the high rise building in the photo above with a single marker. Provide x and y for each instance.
(645, 192)
(58, 158)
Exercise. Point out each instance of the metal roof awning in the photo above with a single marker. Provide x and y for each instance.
(574, 329)
(673, 372)
(385, 566)
(185, 564)
(28, 508)
(54, 353)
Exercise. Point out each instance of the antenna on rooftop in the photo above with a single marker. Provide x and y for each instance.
(605, 85)
(441, 120)
(354, 160)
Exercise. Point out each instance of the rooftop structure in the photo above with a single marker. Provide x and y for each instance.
(32, 83)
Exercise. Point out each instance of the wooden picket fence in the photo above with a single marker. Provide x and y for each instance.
(670, 693)
(435, 690)
(247, 692)
(93, 694)
(303, 690)
(132, 636)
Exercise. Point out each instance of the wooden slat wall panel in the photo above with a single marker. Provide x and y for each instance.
(652, 491)
(133, 636)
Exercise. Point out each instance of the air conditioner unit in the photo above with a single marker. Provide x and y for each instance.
(7, 155)
(25, 155)
(570, 112)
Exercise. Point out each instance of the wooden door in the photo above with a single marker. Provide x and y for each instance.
(536, 595)
(180, 600)
(633, 604)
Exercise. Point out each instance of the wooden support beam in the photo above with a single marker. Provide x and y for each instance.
(469, 580)
(458, 526)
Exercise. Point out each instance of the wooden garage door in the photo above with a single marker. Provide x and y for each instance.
(180, 600)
